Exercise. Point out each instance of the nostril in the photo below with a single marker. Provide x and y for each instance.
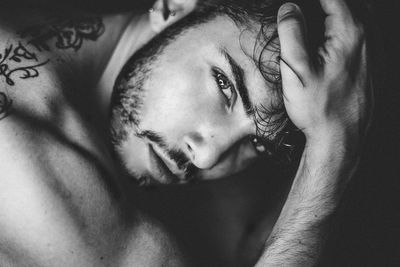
(189, 148)
(191, 152)
(193, 143)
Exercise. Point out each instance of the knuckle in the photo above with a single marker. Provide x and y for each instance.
(347, 43)
(360, 28)
(357, 34)
(337, 46)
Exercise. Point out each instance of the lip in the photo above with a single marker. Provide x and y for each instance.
(159, 169)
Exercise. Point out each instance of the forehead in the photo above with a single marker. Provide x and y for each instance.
(206, 41)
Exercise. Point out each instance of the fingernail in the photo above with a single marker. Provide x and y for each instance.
(287, 10)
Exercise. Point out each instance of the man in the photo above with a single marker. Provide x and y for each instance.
(196, 102)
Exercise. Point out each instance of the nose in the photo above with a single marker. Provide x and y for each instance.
(207, 150)
(202, 154)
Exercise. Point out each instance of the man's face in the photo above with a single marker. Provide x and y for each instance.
(195, 120)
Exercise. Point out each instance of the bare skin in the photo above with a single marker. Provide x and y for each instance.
(330, 101)
(46, 132)
(61, 203)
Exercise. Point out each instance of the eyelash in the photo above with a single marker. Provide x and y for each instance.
(219, 76)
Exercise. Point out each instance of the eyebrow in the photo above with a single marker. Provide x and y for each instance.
(254, 111)
(238, 75)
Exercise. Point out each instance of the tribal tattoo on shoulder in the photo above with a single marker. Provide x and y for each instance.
(18, 61)
(67, 34)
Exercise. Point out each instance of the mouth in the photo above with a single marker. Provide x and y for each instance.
(159, 169)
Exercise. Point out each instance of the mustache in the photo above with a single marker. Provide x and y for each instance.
(177, 156)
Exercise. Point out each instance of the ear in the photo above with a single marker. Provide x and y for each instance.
(166, 12)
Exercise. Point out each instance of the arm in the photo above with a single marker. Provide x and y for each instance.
(327, 99)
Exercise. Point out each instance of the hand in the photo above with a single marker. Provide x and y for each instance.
(325, 91)
(326, 95)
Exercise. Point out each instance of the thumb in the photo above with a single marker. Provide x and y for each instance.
(293, 40)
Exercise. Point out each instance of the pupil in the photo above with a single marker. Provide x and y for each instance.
(222, 82)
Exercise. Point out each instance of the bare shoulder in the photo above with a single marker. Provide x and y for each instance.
(50, 217)
(27, 74)
(38, 218)
(43, 55)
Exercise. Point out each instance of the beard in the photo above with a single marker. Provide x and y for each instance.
(128, 100)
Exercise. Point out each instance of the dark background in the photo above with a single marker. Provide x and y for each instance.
(368, 231)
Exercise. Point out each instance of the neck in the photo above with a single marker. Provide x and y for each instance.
(135, 32)
(99, 64)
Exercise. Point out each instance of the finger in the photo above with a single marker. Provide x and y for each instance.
(293, 39)
(339, 16)
(291, 83)
(343, 34)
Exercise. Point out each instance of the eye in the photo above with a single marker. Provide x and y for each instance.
(225, 85)
(258, 145)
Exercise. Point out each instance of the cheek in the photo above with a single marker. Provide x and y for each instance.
(171, 111)
(177, 103)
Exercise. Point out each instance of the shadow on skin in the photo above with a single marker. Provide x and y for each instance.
(221, 222)
(44, 127)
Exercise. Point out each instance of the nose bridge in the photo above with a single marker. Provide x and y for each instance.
(208, 143)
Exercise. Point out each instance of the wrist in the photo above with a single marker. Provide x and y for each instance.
(328, 161)
(333, 141)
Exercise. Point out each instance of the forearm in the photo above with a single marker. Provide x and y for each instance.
(303, 225)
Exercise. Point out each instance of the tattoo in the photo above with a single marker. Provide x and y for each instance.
(68, 34)
(11, 63)
(18, 59)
